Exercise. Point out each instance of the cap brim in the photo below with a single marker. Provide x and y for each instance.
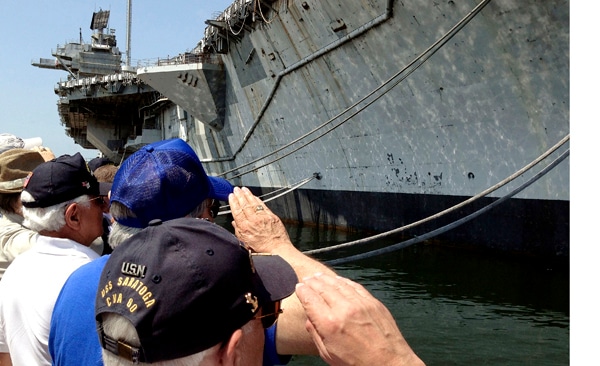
(105, 187)
(221, 188)
(277, 276)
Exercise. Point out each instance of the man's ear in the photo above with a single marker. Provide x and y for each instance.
(73, 216)
(229, 352)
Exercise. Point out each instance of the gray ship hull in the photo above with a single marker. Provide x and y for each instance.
(402, 110)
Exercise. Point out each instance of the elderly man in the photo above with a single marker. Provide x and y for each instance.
(61, 202)
(187, 292)
(163, 180)
(347, 324)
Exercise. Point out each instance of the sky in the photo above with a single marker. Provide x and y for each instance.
(30, 30)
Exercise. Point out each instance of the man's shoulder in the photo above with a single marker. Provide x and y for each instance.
(81, 285)
(22, 264)
(88, 272)
(7, 224)
(72, 339)
(15, 237)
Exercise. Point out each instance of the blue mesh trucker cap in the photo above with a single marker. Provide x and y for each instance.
(164, 180)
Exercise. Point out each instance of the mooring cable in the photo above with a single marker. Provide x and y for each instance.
(448, 210)
(278, 193)
(240, 5)
(420, 238)
(262, 15)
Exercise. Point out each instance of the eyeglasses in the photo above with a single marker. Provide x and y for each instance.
(214, 208)
(272, 311)
(99, 200)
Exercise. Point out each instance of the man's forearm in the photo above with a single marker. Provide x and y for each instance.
(304, 265)
(292, 337)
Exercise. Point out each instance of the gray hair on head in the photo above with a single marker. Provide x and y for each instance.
(119, 233)
(118, 327)
(51, 218)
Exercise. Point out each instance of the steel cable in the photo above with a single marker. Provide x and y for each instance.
(451, 209)
(279, 192)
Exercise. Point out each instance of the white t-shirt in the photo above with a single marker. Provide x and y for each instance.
(28, 291)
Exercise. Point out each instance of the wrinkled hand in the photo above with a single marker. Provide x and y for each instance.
(262, 230)
(350, 326)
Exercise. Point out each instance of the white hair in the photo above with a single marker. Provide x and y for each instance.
(119, 232)
(51, 218)
(118, 327)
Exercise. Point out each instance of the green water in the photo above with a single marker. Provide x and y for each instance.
(458, 307)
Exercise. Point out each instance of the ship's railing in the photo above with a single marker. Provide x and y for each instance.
(182, 59)
(233, 16)
(126, 77)
(92, 80)
(232, 21)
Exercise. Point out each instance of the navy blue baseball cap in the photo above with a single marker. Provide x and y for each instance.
(186, 285)
(60, 180)
(164, 180)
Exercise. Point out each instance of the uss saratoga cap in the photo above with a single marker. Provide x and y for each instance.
(164, 180)
(186, 285)
(60, 180)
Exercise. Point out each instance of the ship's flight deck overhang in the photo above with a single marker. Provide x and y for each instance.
(199, 88)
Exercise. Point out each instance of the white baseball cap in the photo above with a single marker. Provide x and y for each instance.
(9, 141)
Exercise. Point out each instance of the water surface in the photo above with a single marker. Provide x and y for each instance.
(460, 307)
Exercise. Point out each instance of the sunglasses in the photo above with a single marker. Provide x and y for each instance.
(270, 315)
(214, 208)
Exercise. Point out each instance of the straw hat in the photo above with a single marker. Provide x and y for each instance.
(15, 165)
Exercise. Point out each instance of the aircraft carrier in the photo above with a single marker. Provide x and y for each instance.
(360, 114)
